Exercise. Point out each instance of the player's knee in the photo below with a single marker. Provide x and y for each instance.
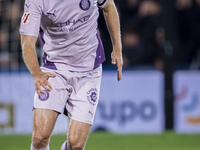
(76, 144)
(40, 140)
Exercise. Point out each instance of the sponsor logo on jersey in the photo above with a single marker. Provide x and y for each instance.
(26, 17)
(92, 96)
(84, 4)
(44, 97)
(72, 24)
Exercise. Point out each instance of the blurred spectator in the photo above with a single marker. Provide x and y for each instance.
(151, 31)
(142, 45)
(198, 3)
(14, 16)
(132, 46)
(149, 8)
(188, 18)
(183, 4)
(4, 54)
(142, 32)
(10, 48)
(128, 10)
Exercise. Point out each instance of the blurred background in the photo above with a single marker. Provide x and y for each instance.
(160, 89)
(147, 26)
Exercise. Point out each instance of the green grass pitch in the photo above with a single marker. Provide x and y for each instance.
(109, 141)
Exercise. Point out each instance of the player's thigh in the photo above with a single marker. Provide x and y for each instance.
(43, 121)
(78, 132)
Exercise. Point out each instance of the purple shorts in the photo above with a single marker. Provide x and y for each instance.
(76, 93)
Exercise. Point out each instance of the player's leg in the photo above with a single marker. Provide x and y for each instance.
(81, 108)
(66, 143)
(48, 106)
(43, 123)
(77, 135)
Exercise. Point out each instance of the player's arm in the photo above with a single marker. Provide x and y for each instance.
(30, 59)
(113, 25)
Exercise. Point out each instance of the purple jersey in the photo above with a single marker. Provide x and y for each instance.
(68, 30)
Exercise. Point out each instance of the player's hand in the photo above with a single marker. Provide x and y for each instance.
(117, 59)
(41, 80)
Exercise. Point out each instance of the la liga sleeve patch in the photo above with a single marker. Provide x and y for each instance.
(26, 17)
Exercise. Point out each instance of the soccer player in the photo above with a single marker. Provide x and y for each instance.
(69, 80)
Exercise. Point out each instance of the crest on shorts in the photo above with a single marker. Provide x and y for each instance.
(92, 96)
(26, 17)
(44, 97)
(84, 4)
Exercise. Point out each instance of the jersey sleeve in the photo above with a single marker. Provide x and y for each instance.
(30, 22)
(102, 3)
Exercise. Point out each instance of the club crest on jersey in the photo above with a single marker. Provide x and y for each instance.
(44, 97)
(92, 96)
(84, 4)
(26, 17)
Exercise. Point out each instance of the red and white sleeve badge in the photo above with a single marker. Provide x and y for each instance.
(26, 17)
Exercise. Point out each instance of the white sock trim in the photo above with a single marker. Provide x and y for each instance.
(63, 147)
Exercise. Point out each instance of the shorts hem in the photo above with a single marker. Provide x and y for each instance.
(48, 108)
(87, 122)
